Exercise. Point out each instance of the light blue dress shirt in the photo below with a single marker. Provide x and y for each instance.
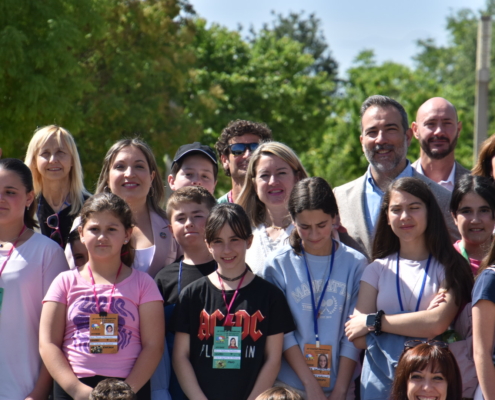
(374, 196)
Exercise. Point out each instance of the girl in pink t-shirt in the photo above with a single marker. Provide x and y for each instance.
(473, 209)
(103, 319)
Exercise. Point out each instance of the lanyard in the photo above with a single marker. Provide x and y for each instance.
(316, 309)
(229, 197)
(12, 249)
(229, 306)
(111, 293)
(463, 251)
(422, 286)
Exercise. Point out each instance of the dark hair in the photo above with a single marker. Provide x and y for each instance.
(279, 393)
(190, 194)
(310, 194)
(26, 177)
(74, 236)
(239, 128)
(228, 213)
(156, 197)
(178, 164)
(479, 185)
(483, 166)
(420, 357)
(458, 275)
(385, 102)
(112, 389)
(110, 202)
(324, 357)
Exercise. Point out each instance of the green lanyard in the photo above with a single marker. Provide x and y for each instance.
(463, 251)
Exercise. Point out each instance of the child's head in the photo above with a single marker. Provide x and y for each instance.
(194, 165)
(112, 389)
(313, 208)
(79, 250)
(473, 208)
(279, 393)
(99, 206)
(228, 235)
(231, 214)
(187, 210)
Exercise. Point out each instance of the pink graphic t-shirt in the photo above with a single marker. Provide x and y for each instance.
(71, 289)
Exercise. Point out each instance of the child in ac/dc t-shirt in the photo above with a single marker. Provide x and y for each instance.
(231, 303)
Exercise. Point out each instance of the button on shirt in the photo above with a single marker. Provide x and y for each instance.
(448, 184)
(374, 195)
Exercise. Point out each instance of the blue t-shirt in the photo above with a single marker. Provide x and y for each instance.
(484, 289)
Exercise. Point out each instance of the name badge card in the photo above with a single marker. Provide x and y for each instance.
(319, 361)
(103, 333)
(227, 347)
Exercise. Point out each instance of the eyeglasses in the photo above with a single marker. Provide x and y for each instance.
(53, 222)
(240, 148)
(416, 342)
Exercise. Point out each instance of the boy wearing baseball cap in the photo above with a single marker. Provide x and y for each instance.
(194, 164)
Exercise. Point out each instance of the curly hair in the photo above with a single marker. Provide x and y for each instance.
(239, 128)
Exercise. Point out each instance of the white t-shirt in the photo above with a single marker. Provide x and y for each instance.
(381, 274)
(263, 245)
(25, 279)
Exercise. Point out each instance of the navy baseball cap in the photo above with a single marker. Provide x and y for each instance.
(192, 148)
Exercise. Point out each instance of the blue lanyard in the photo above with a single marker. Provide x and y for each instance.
(422, 286)
(316, 309)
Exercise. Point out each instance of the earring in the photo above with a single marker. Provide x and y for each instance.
(27, 208)
(152, 191)
(125, 241)
(82, 240)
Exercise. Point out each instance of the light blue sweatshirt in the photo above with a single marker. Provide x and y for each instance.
(286, 269)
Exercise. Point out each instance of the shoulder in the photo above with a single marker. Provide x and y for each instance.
(164, 273)
(353, 185)
(484, 286)
(263, 287)
(439, 191)
(40, 244)
(223, 199)
(461, 170)
(349, 252)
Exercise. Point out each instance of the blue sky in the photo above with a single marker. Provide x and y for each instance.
(389, 27)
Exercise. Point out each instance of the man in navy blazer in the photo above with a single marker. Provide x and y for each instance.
(385, 138)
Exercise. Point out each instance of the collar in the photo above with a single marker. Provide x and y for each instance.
(406, 172)
(448, 184)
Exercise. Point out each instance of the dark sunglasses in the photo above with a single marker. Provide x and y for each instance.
(53, 222)
(239, 148)
(416, 342)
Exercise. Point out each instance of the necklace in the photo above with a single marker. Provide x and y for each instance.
(280, 228)
(233, 279)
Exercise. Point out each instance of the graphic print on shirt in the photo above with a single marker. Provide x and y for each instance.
(335, 290)
(248, 323)
(80, 311)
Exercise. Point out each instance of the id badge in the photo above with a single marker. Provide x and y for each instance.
(319, 361)
(103, 333)
(227, 347)
(1, 298)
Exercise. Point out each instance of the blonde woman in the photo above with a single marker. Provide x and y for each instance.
(54, 162)
(273, 170)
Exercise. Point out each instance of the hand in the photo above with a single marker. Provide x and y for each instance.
(82, 393)
(356, 326)
(315, 392)
(337, 396)
(438, 299)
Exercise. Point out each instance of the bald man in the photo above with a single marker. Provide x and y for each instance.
(437, 130)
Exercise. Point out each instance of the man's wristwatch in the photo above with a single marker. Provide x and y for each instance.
(374, 322)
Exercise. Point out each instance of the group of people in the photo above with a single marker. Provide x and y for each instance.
(274, 289)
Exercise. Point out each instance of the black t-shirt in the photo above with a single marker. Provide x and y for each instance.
(167, 278)
(65, 220)
(260, 308)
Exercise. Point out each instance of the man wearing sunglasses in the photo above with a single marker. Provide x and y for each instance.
(235, 146)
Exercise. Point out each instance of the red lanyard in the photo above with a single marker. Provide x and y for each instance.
(229, 306)
(12, 249)
(112, 292)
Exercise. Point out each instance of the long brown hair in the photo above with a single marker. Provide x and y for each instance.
(483, 166)
(156, 198)
(458, 275)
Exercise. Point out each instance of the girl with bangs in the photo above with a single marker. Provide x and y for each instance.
(229, 305)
